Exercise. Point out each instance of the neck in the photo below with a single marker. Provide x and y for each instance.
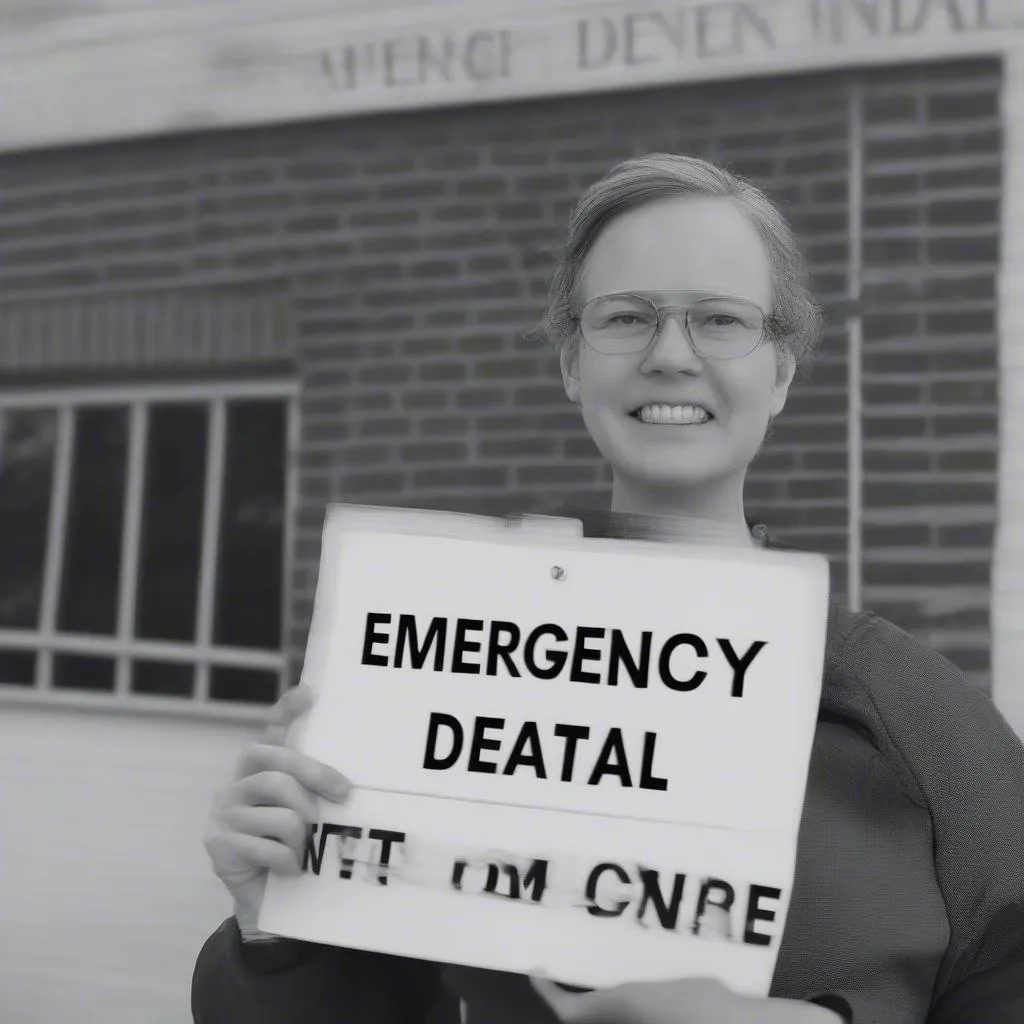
(715, 511)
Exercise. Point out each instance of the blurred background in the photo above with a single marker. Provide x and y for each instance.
(256, 257)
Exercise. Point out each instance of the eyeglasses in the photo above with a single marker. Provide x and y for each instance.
(718, 326)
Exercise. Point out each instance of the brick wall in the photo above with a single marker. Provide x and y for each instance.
(933, 177)
(417, 247)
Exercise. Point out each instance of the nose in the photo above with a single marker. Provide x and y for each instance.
(671, 351)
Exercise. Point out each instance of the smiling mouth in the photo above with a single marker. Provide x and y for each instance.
(672, 415)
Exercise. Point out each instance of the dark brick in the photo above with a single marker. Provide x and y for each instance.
(318, 170)
(908, 494)
(391, 427)
(964, 249)
(967, 392)
(901, 535)
(452, 160)
(479, 344)
(435, 426)
(891, 107)
(968, 358)
(367, 454)
(370, 401)
(891, 251)
(830, 191)
(892, 394)
(540, 395)
(433, 269)
(925, 574)
(560, 475)
(972, 460)
(816, 488)
(475, 188)
(406, 190)
(895, 461)
(140, 271)
(824, 515)
(876, 426)
(891, 325)
(384, 373)
(490, 262)
(819, 162)
(355, 484)
(967, 425)
(542, 184)
(505, 369)
(427, 346)
(958, 286)
(963, 106)
(955, 321)
(584, 448)
(506, 423)
(447, 370)
(462, 476)
(142, 216)
(517, 447)
(433, 451)
(369, 218)
(823, 460)
(966, 535)
(373, 245)
(482, 398)
(892, 216)
(960, 212)
(982, 175)
(885, 185)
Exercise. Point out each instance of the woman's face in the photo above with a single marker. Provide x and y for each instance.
(691, 244)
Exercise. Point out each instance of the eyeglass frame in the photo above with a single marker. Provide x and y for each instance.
(769, 322)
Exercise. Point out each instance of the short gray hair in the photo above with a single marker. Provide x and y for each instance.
(795, 321)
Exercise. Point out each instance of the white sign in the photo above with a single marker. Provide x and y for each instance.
(567, 753)
(93, 75)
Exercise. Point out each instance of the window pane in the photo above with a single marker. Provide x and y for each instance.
(17, 668)
(92, 552)
(172, 522)
(78, 672)
(248, 596)
(166, 678)
(28, 439)
(252, 685)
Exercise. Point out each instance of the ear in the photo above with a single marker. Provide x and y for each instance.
(569, 359)
(785, 368)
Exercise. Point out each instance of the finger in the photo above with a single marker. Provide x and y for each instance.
(576, 1008)
(714, 923)
(314, 775)
(279, 823)
(275, 789)
(255, 851)
(293, 704)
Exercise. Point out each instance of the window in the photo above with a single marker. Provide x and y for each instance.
(143, 537)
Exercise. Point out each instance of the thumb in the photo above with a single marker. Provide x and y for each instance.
(292, 706)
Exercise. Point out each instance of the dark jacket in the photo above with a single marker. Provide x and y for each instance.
(908, 900)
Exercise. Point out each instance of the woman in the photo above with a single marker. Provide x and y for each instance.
(680, 314)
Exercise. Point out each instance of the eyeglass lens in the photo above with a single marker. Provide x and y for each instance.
(719, 327)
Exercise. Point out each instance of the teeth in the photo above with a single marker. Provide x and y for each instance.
(673, 414)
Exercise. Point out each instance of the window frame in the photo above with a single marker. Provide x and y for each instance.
(46, 641)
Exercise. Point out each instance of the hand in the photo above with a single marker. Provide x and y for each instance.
(259, 822)
(689, 1001)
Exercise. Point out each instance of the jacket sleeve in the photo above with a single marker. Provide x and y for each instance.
(964, 762)
(304, 983)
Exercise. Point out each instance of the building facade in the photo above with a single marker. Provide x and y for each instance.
(251, 267)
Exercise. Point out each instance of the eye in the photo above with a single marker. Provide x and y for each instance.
(721, 320)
